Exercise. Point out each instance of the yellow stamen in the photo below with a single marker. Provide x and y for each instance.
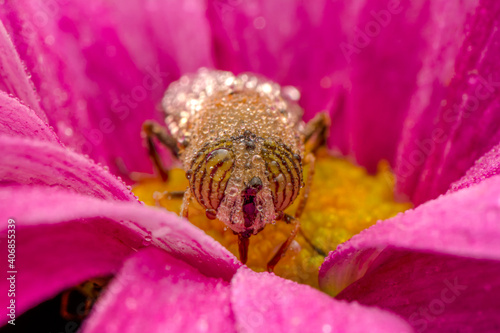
(344, 200)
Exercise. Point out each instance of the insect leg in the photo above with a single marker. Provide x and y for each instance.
(284, 247)
(169, 195)
(185, 203)
(65, 307)
(154, 130)
(311, 160)
(311, 244)
(316, 132)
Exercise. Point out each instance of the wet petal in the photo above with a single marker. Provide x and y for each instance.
(14, 79)
(55, 252)
(17, 119)
(388, 44)
(263, 302)
(454, 120)
(64, 238)
(33, 162)
(485, 167)
(434, 293)
(154, 292)
(410, 263)
(359, 60)
(291, 42)
(165, 229)
(99, 73)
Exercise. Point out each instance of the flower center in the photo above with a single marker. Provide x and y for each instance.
(344, 199)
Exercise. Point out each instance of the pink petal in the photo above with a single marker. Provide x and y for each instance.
(14, 79)
(175, 34)
(485, 167)
(154, 292)
(102, 76)
(292, 42)
(390, 39)
(64, 238)
(359, 60)
(454, 123)
(55, 255)
(404, 264)
(437, 70)
(263, 302)
(434, 293)
(33, 162)
(17, 119)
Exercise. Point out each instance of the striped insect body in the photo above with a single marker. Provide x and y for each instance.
(242, 144)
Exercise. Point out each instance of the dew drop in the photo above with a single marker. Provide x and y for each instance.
(232, 191)
(326, 328)
(256, 159)
(147, 239)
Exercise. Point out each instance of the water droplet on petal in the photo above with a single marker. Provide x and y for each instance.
(146, 241)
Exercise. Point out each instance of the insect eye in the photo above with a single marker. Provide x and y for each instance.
(284, 173)
(210, 174)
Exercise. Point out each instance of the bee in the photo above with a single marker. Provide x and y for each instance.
(242, 144)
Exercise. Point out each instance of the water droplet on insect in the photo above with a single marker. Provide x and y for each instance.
(295, 246)
(256, 159)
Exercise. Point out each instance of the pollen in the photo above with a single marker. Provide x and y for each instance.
(344, 200)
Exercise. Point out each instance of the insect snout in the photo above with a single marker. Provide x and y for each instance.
(250, 208)
(254, 186)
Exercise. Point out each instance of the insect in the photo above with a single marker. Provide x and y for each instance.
(243, 145)
(77, 302)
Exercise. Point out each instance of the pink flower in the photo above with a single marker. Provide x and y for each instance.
(416, 83)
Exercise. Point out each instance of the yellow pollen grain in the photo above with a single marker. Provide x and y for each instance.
(344, 199)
